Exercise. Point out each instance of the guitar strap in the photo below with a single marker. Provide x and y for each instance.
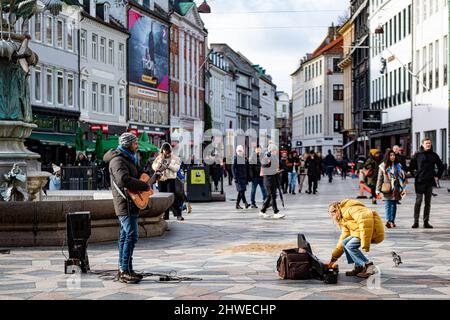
(118, 189)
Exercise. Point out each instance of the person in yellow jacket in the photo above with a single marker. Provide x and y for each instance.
(360, 227)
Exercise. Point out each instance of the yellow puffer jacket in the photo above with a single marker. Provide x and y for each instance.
(360, 222)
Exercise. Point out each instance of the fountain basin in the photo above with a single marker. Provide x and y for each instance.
(43, 223)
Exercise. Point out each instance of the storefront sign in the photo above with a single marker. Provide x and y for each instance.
(371, 120)
(67, 126)
(103, 127)
(44, 123)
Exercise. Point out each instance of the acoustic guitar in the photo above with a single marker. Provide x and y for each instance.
(141, 198)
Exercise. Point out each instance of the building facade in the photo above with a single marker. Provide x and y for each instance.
(218, 67)
(359, 11)
(103, 71)
(297, 107)
(283, 122)
(267, 94)
(54, 86)
(188, 58)
(350, 134)
(390, 78)
(323, 96)
(430, 64)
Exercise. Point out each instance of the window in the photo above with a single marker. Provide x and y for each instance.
(102, 49)
(436, 63)
(94, 46)
(424, 9)
(94, 97)
(111, 52)
(444, 145)
(131, 109)
(409, 19)
(37, 27)
(405, 24)
(102, 98)
(139, 113)
(445, 58)
(320, 123)
(417, 71)
(418, 11)
(60, 87)
(336, 69)
(60, 34)
(430, 68)
(37, 83)
(317, 124)
(49, 85)
(390, 32)
(306, 126)
(70, 35)
(49, 30)
(338, 92)
(284, 108)
(83, 95)
(122, 102)
(424, 64)
(313, 128)
(338, 122)
(317, 95)
(121, 56)
(83, 45)
(399, 25)
(395, 29)
(70, 83)
(417, 141)
(111, 100)
(321, 94)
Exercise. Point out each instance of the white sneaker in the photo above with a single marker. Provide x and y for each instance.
(279, 216)
(264, 215)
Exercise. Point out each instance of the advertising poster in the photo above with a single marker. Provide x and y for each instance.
(148, 52)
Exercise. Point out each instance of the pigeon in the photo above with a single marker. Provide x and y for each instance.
(397, 259)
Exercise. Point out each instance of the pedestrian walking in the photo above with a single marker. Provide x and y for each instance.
(284, 173)
(330, 164)
(270, 169)
(228, 171)
(360, 227)
(124, 171)
(391, 184)
(370, 173)
(302, 172)
(293, 163)
(344, 167)
(401, 158)
(215, 170)
(241, 176)
(313, 164)
(167, 182)
(256, 178)
(427, 168)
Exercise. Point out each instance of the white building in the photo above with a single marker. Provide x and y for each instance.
(390, 59)
(318, 102)
(283, 119)
(267, 93)
(102, 70)
(297, 108)
(430, 62)
(218, 67)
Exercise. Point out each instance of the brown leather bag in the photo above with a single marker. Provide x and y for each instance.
(294, 264)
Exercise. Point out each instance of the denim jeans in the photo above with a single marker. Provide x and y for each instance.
(352, 252)
(127, 240)
(391, 210)
(292, 180)
(329, 171)
(258, 181)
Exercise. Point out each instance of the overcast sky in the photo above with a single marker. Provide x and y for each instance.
(276, 50)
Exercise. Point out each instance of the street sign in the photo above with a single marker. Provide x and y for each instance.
(371, 120)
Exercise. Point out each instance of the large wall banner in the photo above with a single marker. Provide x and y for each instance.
(148, 52)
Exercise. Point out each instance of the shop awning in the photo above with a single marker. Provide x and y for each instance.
(348, 144)
(55, 139)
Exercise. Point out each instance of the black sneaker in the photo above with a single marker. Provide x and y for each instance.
(180, 218)
(137, 275)
(128, 278)
(415, 225)
(238, 207)
(254, 206)
(426, 225)
(293, 193)
(247, 206)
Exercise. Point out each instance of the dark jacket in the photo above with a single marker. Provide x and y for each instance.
(125, 174)
(330, 161)
(402, 160)
(241, 173)
(373, 164)
(255, 166)
(423, 165)
(313, 167)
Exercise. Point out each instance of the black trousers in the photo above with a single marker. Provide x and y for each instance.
(169, 186)
(271, 199)
(284, 181)
(426, 211)
(312, 183)
(241, 196)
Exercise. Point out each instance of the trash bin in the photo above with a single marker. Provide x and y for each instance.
(198, 184)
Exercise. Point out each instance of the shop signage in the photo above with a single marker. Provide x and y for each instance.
(371, 120)
(103, 127)
(67, 126)
(44, 123)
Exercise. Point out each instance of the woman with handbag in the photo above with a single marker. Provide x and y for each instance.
(391, 183)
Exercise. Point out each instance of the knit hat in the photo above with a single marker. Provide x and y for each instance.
(373, 152)
(127, 139)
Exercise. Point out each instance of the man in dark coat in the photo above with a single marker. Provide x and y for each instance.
(125, 173)
(313, 170)
(424, 165)
(330, 163)
(241, 176)
(255, 176)
(270, 169)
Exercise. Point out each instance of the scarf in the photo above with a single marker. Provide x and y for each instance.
(130, 154)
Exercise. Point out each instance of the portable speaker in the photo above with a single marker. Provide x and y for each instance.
(78, 233)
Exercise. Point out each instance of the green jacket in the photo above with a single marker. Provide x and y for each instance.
(371, 163)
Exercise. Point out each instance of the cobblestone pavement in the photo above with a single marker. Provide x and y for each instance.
(235, 252)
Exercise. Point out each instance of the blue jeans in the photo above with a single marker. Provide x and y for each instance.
(391, 210)
(127, 240)
(352, 252)
(258, 181)
(292, 180)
